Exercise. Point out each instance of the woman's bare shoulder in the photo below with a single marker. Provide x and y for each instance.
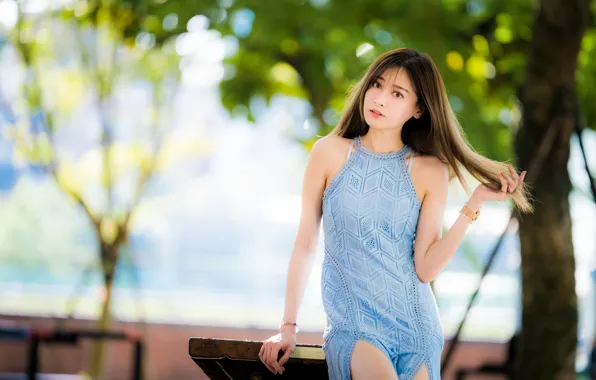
(431, 165)
(430, 175)
(331, 145)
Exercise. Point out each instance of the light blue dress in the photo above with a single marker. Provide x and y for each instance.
(369, 284)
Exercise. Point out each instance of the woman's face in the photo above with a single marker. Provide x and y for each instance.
(390, 101)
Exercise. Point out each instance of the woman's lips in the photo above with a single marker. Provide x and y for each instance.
(375, 114)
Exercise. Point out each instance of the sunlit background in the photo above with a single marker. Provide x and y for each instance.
(212, 233)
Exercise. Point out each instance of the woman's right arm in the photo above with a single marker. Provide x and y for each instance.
(303, 253)
(305, 245)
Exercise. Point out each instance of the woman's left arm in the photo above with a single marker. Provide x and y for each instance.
(431, 251)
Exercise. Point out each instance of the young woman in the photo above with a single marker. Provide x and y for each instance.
(379, 181)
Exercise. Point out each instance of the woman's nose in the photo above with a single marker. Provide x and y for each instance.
(380, 100)
(383, 98)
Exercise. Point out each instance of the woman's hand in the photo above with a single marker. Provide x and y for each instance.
(285, 341)
(509, 183)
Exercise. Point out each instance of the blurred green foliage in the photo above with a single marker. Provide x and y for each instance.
(316, 49)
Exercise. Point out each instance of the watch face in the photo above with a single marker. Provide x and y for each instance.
(235, 359)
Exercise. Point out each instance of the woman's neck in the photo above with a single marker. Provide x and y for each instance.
(383, 141)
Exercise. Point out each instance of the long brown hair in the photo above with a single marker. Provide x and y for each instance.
(437, 132)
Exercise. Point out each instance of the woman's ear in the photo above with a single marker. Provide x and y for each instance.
(419, 111)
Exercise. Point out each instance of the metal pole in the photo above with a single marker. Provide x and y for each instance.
(33, 360)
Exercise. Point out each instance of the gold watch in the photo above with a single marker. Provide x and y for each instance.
(469, 214)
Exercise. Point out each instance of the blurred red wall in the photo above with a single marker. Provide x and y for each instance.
(166, 353)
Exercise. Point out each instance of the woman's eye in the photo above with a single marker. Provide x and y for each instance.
(398, 94)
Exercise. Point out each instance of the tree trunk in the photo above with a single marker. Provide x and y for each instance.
(549, 317)
(109, 259)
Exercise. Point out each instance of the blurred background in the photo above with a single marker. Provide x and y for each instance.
(152, 153)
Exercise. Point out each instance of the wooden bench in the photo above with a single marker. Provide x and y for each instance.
(224, 359)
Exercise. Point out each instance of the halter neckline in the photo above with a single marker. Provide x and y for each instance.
(405, 149)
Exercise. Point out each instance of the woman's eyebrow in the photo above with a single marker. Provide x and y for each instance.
(395, 85)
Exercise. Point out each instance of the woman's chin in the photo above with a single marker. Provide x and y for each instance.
(371, 123)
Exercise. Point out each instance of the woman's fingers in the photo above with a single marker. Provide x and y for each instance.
(268, 360)
(270, 368)
(278, 366)
(264, 356)
(272, 359)
(511, 184)
(503, 183)
(513, 173)
(286, 356)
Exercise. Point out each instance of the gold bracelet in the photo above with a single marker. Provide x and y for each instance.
(465, 210)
